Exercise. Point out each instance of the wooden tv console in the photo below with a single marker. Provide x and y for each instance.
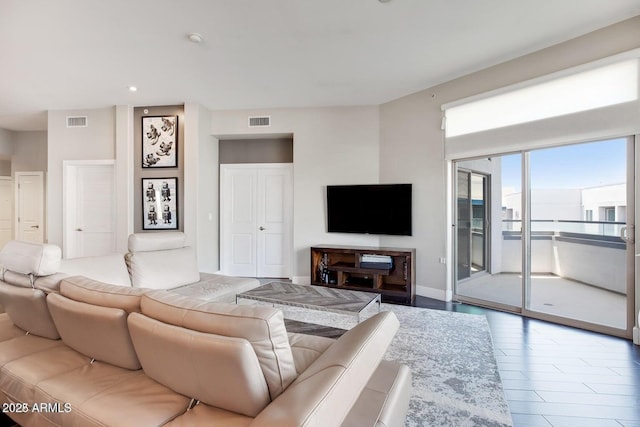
(341, 267)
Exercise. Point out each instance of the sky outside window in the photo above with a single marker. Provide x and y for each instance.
(571, 166)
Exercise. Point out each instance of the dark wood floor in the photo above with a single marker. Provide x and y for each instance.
(555, 375)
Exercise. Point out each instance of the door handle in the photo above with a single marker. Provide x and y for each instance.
(261, 228)
(626, 233)
(35, 226)
(79, 229)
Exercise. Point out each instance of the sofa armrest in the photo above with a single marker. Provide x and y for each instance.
(326, 391)
(384, 402)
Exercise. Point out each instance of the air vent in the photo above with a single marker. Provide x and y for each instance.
(77, 121)
(263, 121)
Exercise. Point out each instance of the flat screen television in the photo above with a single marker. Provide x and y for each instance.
(369, 209)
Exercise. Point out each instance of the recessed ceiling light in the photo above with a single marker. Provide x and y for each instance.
(195, 37)
(132, 89)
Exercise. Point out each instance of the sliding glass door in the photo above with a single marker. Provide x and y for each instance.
(578, 218)
(488, 266)
(560, 247)
(472, 208)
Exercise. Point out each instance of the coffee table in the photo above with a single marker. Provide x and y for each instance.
(322, 298)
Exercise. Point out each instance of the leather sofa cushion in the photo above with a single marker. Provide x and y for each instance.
(160, 260)
(7, 329)
(78, 386)
(217, 287)
(98, 332)
(156, 241)
(163, 269)
(307, 348)
(91, 291)
(262, 326)
(110, 269)
(30, 258)
(24, 346)
(136, 401)
(217, 370)
(20, 376)
(28, 310)
(203, 415)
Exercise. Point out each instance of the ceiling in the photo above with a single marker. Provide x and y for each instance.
(78, 54)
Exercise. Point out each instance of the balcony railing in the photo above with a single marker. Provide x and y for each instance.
(595, 228)
(590, 252)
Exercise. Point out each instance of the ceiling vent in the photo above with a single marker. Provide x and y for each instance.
(77, 121)
(262, 121)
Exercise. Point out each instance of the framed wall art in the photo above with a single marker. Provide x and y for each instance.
(159, 203)
(160, 142)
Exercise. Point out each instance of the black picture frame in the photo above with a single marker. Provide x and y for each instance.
(160, 141)
(160, 203)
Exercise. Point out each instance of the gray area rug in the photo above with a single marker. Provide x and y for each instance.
(455, 376)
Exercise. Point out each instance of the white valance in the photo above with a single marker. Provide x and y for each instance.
(593, 101)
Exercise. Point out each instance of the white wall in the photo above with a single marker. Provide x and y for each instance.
(25, 151)
(412, 144)
(411, 151)
(548, 204)
(541, 256)
(6, 144)
(330, 146)
(201, 186)
(94, 142)
(5, 167)
(610, 195)
(556, 203)
(29, 151)
(595, 265)
(124, 175)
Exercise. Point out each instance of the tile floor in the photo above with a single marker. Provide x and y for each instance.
(560, 376)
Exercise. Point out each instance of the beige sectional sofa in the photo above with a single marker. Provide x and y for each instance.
(159, 260)
(79, 352)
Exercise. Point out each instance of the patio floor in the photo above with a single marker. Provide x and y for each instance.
(552, 295)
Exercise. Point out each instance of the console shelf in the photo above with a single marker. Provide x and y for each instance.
(340, 267)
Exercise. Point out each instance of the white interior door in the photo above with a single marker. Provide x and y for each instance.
(239, 222)
(274, 222)
(30, 206)
(6, 210)
(256, 205)
(90, 209)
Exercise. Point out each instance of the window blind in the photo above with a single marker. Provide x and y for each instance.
(593, 101)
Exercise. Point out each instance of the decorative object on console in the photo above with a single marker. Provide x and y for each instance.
(384, 262)
(159, 203)
(160, 142)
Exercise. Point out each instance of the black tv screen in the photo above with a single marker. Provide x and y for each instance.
(369, 209)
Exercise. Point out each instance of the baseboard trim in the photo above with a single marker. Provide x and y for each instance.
(636, 335)
(439, 294)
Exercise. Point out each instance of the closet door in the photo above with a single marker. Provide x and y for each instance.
(256, 206)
